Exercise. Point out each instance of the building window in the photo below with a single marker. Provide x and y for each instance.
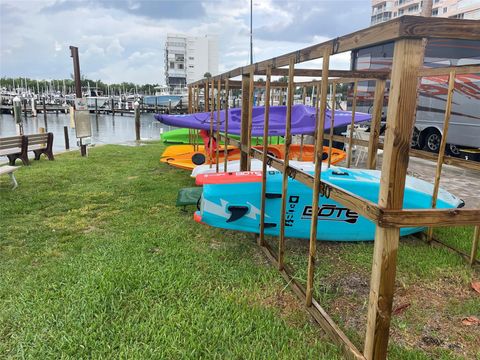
(191, 66)
(172, 65)
(444, 10)
(436, 1)
(180, 66)
(435, 12)
(190, 58)
(395, 14)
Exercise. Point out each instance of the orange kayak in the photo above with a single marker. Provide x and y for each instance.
(185, 157)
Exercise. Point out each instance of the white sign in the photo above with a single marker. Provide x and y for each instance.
(81, 104)
(83, 126)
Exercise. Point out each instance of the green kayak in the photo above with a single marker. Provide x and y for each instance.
(181, 136)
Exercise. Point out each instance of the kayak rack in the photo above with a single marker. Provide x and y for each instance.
(397, 86)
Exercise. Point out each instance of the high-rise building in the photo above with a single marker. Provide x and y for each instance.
(384, 10)
(188, 58)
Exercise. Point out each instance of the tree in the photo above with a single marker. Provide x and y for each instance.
(207, 75)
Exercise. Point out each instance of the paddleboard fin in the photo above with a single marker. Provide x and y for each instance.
(237, 212)
(273, 196)
(269, 225)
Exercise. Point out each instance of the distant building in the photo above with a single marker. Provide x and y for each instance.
(384, 10)
(188, 58)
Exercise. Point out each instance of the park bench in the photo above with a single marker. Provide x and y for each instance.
(14, 147)
(7, 169)
(41, 144)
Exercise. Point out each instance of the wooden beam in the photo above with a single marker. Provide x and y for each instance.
(442, 71)
(320, 115)
(431, 27)
(244, 123)
(288, 142)
(428, 217)
(443, 145)
(407, 58)
(375, 125)
(261, 239)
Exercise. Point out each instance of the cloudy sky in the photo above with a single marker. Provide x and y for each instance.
(123, 40)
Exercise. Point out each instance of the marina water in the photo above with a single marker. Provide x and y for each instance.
(106, 129)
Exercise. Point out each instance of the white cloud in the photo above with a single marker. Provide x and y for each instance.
(122, 43)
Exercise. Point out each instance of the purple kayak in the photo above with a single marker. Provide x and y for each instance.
(303, 120)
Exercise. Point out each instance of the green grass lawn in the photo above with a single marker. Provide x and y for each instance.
(97, 262)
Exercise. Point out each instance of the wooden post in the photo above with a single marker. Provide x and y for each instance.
(45, 113)
(352, 124)
(156, 104)
(210, 134)
(244, 125)
(443, 145)
(113, 107)
(65, 134)
(169, 106)
(217, 149)
(250, 117)
(476, 238)
(205, 96)
(25, 108)
(375, 125)
(407, 59)
(261, 238)
(332, 122)
(288, 142)
(304, 95)
(316, 143)
(190, 100)
(225, 146)
(136, 107)
(96, 107)
(316, 182)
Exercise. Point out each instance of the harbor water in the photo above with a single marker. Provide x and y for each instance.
(106, 129)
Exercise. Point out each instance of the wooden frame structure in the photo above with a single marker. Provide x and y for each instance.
(408, 34)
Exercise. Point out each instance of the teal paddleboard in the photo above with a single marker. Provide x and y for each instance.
(232, 201)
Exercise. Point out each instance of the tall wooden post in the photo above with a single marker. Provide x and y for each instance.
(376, 121)
(244, 125)
(352, 124)
(225, 146)
(261, 238)
(217, 149)
(332, 122)
(78, 88)
(190, 100)
(407, 58)
(316, 182)
(288, 142)
(210, 135)
(250, 118)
